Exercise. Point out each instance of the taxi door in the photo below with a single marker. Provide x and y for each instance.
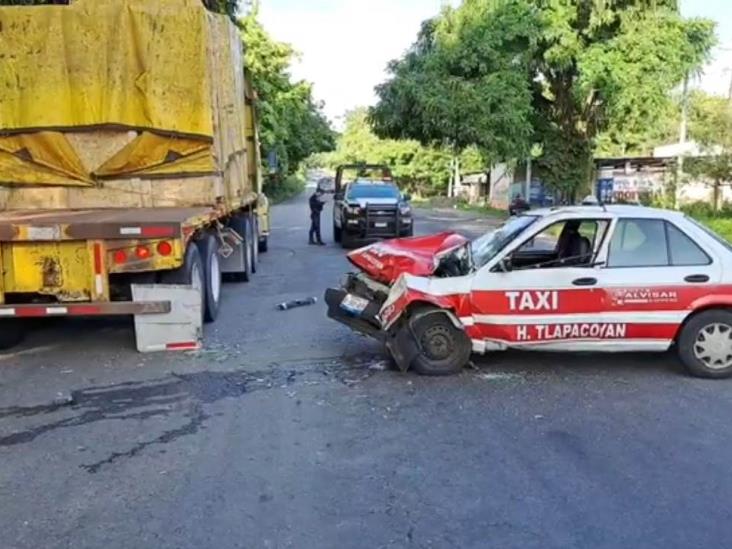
(542, 292)
(654, 272)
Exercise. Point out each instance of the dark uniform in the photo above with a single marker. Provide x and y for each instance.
(316, 207)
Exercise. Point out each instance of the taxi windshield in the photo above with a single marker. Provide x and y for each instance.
(487, 246)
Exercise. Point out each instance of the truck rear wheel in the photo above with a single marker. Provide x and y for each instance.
(255, 242)
(242, 225)
(12, 333)
(208, 246)
(191, 273)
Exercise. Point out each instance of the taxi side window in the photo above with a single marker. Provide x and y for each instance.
(570, 243)
(652, 243)
(684, 251)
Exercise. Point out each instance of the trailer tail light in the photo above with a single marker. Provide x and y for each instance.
(143, 252)
(120, 257)
(165, 248)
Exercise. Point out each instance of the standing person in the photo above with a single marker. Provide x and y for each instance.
(316, 207)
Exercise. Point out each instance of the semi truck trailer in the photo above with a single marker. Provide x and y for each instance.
(129, 154)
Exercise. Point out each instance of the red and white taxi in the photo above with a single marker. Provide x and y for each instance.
(585, 278)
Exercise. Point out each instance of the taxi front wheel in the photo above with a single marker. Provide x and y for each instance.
(443, 348)
(705, 344)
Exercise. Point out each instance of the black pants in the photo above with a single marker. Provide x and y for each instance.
(314, 234)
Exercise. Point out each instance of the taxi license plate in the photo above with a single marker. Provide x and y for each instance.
(380, 225)
(354, 304)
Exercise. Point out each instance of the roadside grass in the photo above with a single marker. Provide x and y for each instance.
(720, 225)
(279, 191)
(441, 202)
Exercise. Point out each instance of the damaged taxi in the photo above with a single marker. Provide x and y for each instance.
(586, 278)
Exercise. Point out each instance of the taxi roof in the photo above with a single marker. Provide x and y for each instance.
(614, 210)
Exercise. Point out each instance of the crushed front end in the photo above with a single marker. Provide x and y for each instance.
(357, 304)
(394, 277)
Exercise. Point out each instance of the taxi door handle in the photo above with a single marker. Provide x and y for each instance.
(585, 282)
(697, 278)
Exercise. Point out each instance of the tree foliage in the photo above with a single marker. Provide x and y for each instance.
(568, 75)
(710, 125)
(422, 169)
(465, 81)
(291, 123)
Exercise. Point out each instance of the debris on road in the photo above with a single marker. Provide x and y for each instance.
(63, 399)
(297, 303)
(498, 376)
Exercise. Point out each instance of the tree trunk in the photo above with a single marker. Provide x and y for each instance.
(715, 194)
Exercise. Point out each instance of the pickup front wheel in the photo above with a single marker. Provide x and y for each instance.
(443, 348)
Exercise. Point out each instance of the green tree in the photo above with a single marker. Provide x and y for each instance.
(422, 169)
(291, 123)
(710, 125)
(598, 72)
(466, 81)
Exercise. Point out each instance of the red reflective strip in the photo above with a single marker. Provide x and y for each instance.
(158, 231)
(188, 345)
(98, 264)
(84, 310)
(31, 311)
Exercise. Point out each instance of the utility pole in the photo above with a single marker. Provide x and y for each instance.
(682, 140)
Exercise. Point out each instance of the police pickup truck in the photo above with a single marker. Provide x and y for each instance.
(369, 206)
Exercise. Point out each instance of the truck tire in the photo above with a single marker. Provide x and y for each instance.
(208, 247)
(12, 333)
(336, 233)
(444, 349)
(705, 344)
(255, 242)
(241, 224)
(191, 273)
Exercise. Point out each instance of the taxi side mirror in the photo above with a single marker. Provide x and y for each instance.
(505, 265)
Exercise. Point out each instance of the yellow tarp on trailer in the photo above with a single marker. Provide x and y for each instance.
(129, 63)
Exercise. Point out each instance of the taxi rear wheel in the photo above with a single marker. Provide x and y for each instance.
(705, 344)
(443, 349)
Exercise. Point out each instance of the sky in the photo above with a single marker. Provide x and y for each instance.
(345, 45)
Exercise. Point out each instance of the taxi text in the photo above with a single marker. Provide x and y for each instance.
(545, 332)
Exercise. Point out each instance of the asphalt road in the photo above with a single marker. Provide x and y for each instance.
(288, 432)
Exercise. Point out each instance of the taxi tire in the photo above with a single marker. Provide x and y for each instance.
(12, 332)
(687, 340)
(437, 330)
